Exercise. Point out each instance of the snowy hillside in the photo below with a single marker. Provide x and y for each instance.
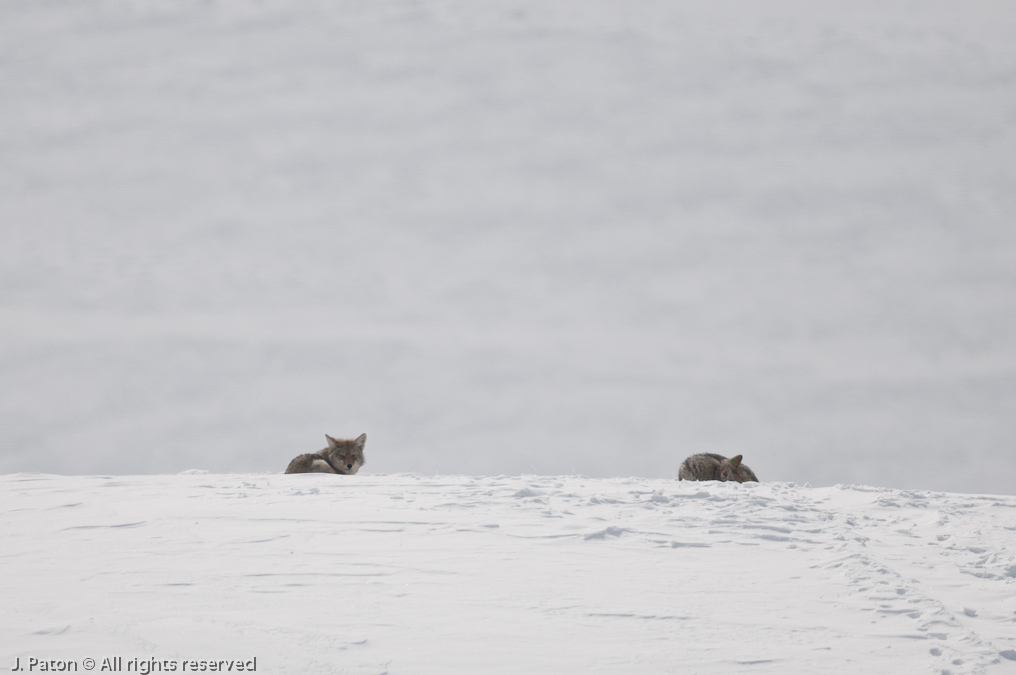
(516, 236)
(532, 574)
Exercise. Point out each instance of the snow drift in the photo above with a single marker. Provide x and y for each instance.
(525, 574)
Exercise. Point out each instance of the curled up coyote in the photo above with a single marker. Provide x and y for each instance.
(708, 466)
(344, 457)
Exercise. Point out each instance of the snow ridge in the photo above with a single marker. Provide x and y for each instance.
(410, 573)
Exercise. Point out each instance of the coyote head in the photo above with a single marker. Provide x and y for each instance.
(346, 457)
(727, 470)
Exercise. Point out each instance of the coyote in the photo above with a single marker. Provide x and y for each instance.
(708, 466)
(345, 457)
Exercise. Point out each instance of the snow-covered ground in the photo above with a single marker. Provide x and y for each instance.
(533, 574)
(511, 236)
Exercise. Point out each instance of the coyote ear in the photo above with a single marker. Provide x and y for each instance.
(331, 441)
(360, 441)
(736, 460)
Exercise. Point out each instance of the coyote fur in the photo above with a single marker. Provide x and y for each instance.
(345, 457)
(708, 466)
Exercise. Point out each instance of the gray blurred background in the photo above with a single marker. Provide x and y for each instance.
(550, 236)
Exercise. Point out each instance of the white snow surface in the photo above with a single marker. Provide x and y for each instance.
(511, 236)
(510, 574)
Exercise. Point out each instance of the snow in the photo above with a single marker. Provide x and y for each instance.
(515, 236)
(406, 573)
